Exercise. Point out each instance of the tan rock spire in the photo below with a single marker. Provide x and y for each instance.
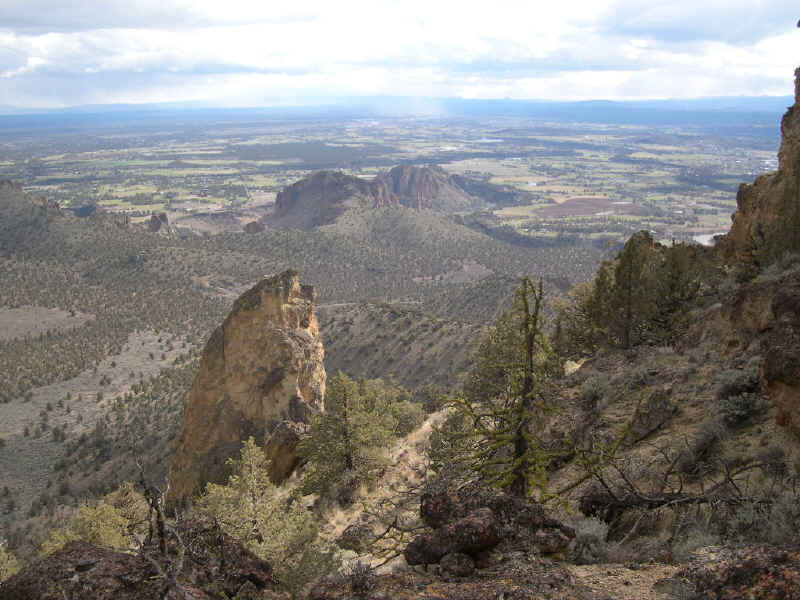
(261, 367)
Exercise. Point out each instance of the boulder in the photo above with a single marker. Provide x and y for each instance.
(474, 533)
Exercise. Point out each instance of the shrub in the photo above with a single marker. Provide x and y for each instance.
(590, 546)
(703, 446)
(656, 410)
(740, 408)
(593, 391)
(738, 397)
(408, 416)
(696, 536)
(100, 524)
(359, 578)
(639, 377)
(770, 521)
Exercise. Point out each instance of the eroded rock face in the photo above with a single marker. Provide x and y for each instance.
(428, 187)
(768, 210)
(262, 366)
(780, 370)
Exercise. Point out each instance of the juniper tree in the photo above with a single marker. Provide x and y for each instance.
(250, 508)
(504, 396)
(347, 442)
(632, 289)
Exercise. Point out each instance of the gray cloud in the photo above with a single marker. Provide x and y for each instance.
(732, 21)
(95, 51)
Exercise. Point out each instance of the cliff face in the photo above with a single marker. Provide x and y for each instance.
(324, 196)
(321, 198)
(767, 220)
(261, 367)
(427, 188)
(764, 313)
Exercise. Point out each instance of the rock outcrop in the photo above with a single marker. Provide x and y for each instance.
(474, 519)
(213, 566)
(427, 187)
(780, 371)
(484, 545)
(324, 196)
(262, 366)
(767, 220)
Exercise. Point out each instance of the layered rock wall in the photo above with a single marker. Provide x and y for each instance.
(261, 367)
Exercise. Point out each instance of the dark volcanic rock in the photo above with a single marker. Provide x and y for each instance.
(750, 573)
(781, 368)
(428, 187)
(514, 514)
(515, 579)
(214, 564)
(474, 533)
(457, 564)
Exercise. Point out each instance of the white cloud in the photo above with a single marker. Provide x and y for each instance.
(242, 52)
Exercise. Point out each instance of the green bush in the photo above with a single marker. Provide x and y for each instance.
(774, 520)
(251, 509)
(738, 397)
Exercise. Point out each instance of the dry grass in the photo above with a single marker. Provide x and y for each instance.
(35, 320)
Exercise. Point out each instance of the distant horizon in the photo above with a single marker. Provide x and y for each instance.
(423, 105)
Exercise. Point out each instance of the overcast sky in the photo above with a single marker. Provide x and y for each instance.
(242, 53)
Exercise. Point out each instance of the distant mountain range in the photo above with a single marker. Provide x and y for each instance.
(720, 110)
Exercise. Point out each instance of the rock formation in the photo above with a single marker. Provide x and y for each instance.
(767, 220)
(262, 366)
(214, 566)
(324, 196)
(427, 188)
(473, 519)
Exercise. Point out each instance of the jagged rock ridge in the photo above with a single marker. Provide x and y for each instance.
(261, 367)
(325, 195)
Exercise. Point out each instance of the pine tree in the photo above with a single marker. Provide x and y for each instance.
(504, 396)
